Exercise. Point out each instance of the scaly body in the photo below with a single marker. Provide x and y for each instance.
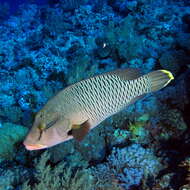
(97, 98)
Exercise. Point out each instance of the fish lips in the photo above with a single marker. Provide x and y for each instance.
(34, 146)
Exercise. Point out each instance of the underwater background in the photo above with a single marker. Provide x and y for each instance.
(49, 44)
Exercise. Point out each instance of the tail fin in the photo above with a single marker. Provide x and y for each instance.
(159, 79)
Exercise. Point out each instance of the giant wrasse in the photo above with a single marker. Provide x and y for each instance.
(82, 106)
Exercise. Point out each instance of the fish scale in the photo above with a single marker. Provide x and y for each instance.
(106, 95)
(100, 97)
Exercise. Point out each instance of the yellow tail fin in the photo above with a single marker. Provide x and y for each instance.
(159, 79)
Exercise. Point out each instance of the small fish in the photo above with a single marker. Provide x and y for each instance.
(83, 105)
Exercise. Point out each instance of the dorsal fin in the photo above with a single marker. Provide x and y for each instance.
(80, 131)
(126, 74)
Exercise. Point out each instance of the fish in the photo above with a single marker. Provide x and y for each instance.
(80, 107)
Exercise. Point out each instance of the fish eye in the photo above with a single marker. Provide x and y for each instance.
(70, 132)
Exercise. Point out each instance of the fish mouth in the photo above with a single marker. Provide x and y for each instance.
(34, 146)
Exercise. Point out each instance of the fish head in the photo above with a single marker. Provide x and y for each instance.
(47, 130)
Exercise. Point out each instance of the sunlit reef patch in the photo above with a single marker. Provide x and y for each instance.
(45, 48)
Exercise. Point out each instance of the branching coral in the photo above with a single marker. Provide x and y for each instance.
(128, 167)
(59, 177)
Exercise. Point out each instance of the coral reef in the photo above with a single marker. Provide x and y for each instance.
(13, 177)
(10, 135)
(58, 177)
(128, 167)
(45, 48)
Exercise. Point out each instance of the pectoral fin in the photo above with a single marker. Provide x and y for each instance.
(80, 131)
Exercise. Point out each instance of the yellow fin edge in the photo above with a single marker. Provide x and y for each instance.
(170, 76)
